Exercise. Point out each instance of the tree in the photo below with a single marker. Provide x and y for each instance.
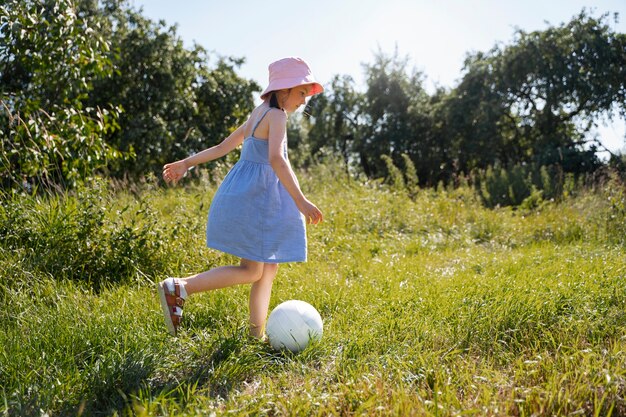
(400, 120)
(395, 118)
(473, 115)
(49, 56)
(335, 119)
(174, 103)
(89, 86)
(391, 94)
(537, 99)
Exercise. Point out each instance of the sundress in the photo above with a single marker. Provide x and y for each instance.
(252, 216)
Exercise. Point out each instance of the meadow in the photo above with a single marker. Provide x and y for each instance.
(433, 305)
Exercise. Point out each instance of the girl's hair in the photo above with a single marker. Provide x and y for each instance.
(274, 101)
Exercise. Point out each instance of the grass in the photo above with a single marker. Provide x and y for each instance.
(432, 306)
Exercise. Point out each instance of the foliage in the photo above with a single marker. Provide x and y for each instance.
(432, 305)
(74, 236)
(535, 100)
(49, 56)
(402, 181)
(335, 121)
(90, 85)
(615, 191)
(532, 102)
(411, 178)
(525, 185)
(174, 103)
(393, 109)
(396, 179)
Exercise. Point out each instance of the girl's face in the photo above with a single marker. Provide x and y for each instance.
(293, 98)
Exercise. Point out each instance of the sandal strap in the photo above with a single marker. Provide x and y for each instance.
(176, 314)
(175, 320)
(172, 303)
(173, 297)
(180, 301)
(175, 303)
(173, 300)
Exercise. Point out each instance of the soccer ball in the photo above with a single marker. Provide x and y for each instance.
(293, 324)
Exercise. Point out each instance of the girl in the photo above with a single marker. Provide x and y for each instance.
(259, 212)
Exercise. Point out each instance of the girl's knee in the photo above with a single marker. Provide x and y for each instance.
(269, 272)
(253, 269)
(270, 269)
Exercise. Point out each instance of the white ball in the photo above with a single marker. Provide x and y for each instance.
(293, 324)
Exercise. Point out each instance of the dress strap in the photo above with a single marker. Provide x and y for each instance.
(259, 121)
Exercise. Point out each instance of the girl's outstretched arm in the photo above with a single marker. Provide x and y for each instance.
(176, 170)
(282, 167)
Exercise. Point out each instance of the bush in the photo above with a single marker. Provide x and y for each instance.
(406, 181)
(615, 222)
(512, 186)
(47, 134)
(75, 236)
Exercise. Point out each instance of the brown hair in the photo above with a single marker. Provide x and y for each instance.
(274, 101)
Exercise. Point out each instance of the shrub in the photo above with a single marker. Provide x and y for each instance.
(395, 177)
(512, 186)
(615, 222)
(402, 181)
(48, 135)
(71, 236)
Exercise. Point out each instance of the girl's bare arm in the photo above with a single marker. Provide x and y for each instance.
(176, 170)
(282, 167)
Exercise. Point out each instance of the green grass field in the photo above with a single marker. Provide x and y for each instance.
(432, 306)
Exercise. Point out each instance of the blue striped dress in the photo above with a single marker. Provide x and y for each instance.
(252, 216)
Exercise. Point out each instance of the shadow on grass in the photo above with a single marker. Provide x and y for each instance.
(175, 372)
(215, 370)
(195, 367)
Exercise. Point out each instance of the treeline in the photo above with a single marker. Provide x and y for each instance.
(517, 107)
(95, 87)
(92, 86)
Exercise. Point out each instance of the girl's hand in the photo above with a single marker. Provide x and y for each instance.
(175, 171)
(312, 214)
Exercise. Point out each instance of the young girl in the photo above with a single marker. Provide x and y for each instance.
(259, 212)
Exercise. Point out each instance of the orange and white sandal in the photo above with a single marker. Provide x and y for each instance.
(172, 295)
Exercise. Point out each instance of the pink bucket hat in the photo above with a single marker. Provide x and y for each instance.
(288, 73)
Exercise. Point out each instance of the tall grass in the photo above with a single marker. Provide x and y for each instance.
(432, 305)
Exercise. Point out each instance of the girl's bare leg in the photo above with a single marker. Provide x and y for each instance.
(247, 272)
(260, 300)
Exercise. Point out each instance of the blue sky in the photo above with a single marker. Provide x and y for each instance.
(337, 37)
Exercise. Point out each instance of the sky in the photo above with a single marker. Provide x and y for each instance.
(336, 37)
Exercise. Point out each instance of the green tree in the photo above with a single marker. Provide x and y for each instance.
(472, 117)
(335, 120)
(391, 96)
(530, 103)
(49, 57)
(394, 117)
(573, 73)
(174, 102)
(537, 99)
(399, 118)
